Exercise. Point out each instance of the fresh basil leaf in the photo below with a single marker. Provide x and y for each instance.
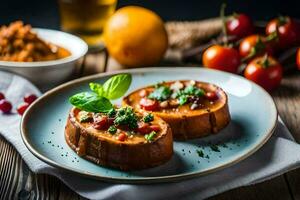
(91, 102)
(97, 88)
(116, 86)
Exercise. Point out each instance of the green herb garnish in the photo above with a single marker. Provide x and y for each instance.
(182, 99)
(200, 153)
(98, 100)
(126, 116)
(148, 118)
(91, 102)
(194, 91)
(112, 130)
(112, 113)
(214, 148)
(161, 93)
(150, 137)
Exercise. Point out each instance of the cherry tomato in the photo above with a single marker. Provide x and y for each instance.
(101, 123)
(221, 58)
(211, 96)
(30, 98)
(144, 128)
(2, 96)
(298, 58)
(239, 25)
(122, 137)
(149, 104)
(287, 29)
(265, 71)
(22, 108)
(253, 46)
(5, 106)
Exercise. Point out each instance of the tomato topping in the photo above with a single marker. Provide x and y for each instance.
(30, 98)
(2, 96)
(101, 123)
(239, 25)
(122, 137)
(155, 128)
(149, 104)
(265, 71)
(211, 96)
(221, 58)
(143, 128)
(5, 106)
(22, 108)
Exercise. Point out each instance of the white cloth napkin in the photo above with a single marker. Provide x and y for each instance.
(279, 155)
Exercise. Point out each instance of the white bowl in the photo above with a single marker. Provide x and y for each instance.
(46, 74)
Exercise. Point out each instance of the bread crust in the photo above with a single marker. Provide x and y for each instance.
(92, 145)
(192, 124)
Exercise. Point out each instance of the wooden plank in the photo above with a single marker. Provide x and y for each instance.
(268, 190)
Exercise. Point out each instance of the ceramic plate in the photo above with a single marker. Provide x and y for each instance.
(253, 113)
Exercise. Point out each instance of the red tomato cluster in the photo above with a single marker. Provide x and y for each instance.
(253, 50)
(6, 106)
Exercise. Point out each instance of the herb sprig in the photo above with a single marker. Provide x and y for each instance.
(98, 100)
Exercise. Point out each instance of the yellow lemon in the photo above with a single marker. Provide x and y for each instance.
(135, 36)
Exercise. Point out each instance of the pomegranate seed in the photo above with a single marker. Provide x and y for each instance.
(22, 107)
(155, 128)
(30, 98)
(5, 106)
(211, 96)
(122, 137)
(2, 96)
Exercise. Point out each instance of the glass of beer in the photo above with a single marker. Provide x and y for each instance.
(86, 18)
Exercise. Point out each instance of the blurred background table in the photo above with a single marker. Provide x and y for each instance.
(19, 181)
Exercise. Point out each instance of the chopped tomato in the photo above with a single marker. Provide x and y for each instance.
(149, 104)
(101, 123)
(122, 137)
(155, 128)
(211, 96)
(144, 128)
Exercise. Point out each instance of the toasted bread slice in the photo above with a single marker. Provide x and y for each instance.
(186, 121)
(104, 148)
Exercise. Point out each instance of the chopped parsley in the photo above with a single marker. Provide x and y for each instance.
(126, 116)
(148, 118)
(161, 93)
(112, 113)
(200, 153)
(150, 137)
(184, 94)
(214, 148)
(112, 130)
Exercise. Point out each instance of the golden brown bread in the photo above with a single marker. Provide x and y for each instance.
(186, 123)
(103, 149)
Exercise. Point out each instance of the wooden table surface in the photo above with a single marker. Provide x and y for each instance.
(17, 181)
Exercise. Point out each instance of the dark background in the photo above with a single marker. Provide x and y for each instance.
(44, 13)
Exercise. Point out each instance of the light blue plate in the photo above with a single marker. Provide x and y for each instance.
(253, 113)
